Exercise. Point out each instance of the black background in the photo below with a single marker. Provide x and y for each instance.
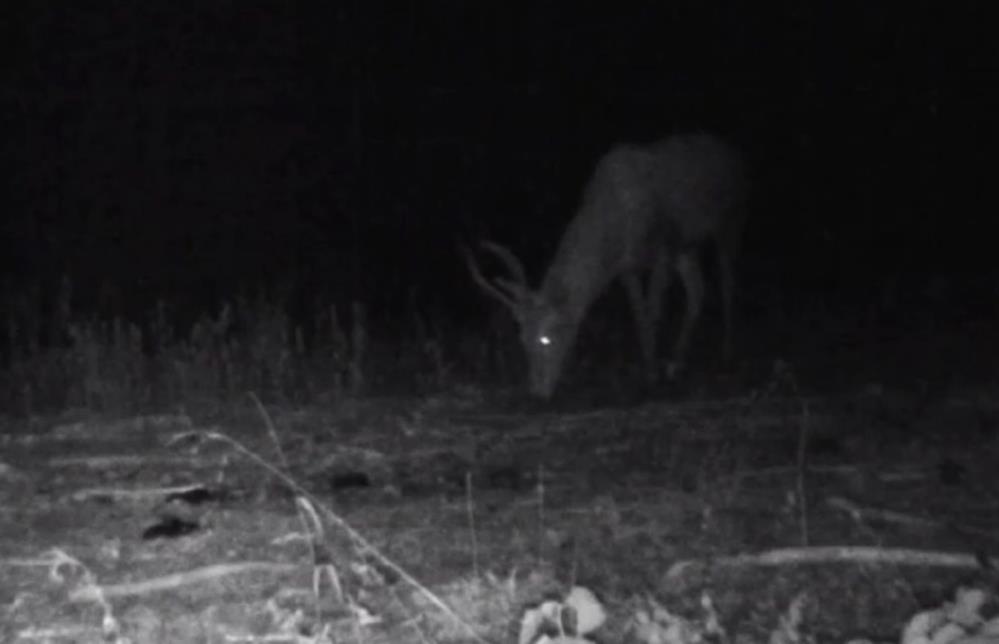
(189, 150)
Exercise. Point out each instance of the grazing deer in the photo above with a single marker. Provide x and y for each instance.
(645, 208)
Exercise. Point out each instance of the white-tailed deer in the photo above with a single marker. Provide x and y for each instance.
(645, 208)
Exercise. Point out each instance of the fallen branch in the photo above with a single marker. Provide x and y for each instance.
(104, 493)
(106, 462)
(834, 554)
(177, 580)
(859, 514)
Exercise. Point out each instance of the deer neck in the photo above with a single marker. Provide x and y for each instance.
(578, 274)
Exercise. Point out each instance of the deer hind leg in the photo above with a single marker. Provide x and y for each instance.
(646, 309)
(689, 266)
(726, 275)
(727, 249)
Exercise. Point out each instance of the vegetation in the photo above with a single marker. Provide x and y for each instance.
(57, 357)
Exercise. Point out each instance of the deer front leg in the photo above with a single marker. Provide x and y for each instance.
(647, 310)
(643, 325)
(689, 267)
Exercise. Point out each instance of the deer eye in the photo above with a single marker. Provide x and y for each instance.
(544, 340)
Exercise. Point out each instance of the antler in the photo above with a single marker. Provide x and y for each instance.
(513, 264)
(512, 292)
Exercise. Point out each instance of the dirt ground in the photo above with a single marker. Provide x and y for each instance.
(856, 471)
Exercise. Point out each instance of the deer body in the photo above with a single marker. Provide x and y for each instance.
(646, 208)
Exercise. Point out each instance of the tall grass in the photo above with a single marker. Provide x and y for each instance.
(54, 356)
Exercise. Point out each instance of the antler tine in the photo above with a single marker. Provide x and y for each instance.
(509, 294)
(513, 264)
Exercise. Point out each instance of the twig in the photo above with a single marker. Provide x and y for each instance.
(271, 430)
(802, 471)
(470, 510)
(541, 511)
(859, 513)
(362, 543)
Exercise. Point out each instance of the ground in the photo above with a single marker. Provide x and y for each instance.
(493, 504)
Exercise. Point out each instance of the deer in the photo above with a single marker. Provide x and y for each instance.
(646, 209)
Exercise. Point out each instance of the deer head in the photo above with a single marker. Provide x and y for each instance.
(547, 330)
(645, 208)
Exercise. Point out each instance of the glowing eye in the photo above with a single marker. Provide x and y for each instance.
(545, 340)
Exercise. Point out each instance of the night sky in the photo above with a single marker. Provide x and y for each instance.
(345, 148)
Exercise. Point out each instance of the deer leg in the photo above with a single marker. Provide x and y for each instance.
(658, 288)
(645, 320)
(726, 275)
(689, 267)
(728, 249)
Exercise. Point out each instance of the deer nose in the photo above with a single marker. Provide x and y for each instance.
(543, 386)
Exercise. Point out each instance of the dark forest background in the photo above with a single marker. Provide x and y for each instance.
(339, 151)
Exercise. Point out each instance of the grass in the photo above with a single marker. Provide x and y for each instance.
(111, 363)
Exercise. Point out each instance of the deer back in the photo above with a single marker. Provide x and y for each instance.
(640, 202)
